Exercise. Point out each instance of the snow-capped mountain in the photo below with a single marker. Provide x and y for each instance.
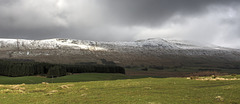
(149, 51)
(22, 44)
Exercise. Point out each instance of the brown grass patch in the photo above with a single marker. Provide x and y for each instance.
(208, 73)
(66, 86)
(39, 90)
(52, 92)
(45, 83)
(13, 88)
(211, 78)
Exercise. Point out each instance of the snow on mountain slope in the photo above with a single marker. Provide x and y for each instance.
(8, 44)
(145, 43)
(154, 43)
(185, 44)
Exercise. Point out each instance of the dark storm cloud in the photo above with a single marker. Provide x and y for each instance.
(119, 19)
(154, 12)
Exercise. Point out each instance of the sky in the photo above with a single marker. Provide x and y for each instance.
(208, 21)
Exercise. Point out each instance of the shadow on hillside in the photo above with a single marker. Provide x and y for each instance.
(83, 77)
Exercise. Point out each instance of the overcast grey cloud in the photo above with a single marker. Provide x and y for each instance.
(212, 21)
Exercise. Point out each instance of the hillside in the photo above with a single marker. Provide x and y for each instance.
(149, 52)
(125, 91)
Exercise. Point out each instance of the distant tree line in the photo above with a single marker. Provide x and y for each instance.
(15, 68)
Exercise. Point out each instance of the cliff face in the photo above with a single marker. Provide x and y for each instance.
(141, 52)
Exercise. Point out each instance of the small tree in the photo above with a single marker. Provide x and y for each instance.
(54, 72)
(145, 69)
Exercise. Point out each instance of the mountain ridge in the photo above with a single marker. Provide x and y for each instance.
(154, 51)
(55, 42)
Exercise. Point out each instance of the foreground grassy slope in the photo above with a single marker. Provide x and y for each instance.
(132, 91)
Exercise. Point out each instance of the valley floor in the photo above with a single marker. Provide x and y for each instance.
(122, 91)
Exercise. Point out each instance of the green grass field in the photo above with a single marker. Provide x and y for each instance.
(68, 78)
(117, 89)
